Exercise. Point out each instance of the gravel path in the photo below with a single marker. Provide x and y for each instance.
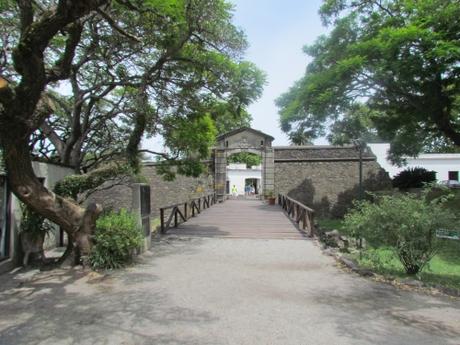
(194, 290)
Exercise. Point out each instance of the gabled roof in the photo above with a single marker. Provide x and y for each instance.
(242, 129)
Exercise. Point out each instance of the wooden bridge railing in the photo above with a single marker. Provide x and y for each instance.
(300, 213)
(181, 212)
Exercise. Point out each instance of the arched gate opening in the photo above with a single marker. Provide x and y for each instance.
(243, 140)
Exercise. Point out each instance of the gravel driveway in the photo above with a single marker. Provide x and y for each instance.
(194, 290)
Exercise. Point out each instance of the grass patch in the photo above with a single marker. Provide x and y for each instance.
(331, 224)
(443, 269)
(154, 224)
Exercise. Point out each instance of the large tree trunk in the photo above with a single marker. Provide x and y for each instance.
(20, 116)
(77, 222)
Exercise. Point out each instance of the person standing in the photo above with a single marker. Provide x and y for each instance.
(234, 191)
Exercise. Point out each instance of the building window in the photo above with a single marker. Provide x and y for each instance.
(226, 143)
(453, 175)
(261, 143)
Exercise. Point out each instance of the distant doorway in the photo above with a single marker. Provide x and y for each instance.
(244, 174)
(252, 186)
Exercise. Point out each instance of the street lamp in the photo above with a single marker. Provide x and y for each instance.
(359, 146)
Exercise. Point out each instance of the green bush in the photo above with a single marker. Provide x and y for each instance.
(413, 178)
(71, 186)
(405, 223)
(116, 239)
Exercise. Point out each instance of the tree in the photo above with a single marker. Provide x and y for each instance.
(300, 136)
(248, 158)
(398, 58)
(143, 66)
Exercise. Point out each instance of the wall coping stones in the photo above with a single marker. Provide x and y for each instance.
(344, 159)
(321, 153)
(314, 147)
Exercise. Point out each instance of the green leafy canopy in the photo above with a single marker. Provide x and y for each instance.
(398, 59)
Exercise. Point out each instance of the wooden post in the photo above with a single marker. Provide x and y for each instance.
(162, 220)
(175, 217)
(185, 210)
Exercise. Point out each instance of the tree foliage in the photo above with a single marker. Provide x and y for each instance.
(136, 65)
(248, 158)
(132, 68)
(398, 58)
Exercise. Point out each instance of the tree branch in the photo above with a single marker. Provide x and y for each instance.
(61, 69)
(52, 136)
(116, 27)
(164, 155)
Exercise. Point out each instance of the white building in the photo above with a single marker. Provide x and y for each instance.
(446, 165)
(239, 175)
(11, 214)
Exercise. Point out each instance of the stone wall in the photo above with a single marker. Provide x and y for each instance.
(326, 178)
(162, 193)
(182, 189)
(114, 196)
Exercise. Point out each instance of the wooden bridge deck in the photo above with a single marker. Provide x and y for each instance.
(241, 219)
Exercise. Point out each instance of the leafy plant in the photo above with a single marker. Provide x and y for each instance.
(33, 223)
(269, 194)
(116, 239)
(405, 223)
(413, 178)
(73, 185)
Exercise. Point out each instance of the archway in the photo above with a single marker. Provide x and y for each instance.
(243, 140)
(244, 174)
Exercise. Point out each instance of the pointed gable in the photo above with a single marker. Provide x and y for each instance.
(244, 137)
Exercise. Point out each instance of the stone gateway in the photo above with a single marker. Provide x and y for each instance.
(325, 178)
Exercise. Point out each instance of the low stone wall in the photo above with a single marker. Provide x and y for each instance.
(326, 178)
(162, 193)
(114, 198)
(182, 189)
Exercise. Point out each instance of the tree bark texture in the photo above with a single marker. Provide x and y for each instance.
(18, 113)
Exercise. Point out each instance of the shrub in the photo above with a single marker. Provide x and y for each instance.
(413, 178)
(116, 239)
(404, 223)
(73, 185)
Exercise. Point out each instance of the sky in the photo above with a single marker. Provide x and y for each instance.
(276, 32)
